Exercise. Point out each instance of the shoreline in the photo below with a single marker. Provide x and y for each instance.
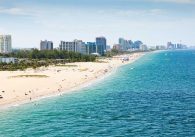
(85, 83)
(78, 87)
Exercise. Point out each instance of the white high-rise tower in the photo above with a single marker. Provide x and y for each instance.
(5, 44)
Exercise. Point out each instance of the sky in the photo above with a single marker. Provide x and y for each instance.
(154, 22)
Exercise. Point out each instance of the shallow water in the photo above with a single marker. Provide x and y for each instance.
(155, 96)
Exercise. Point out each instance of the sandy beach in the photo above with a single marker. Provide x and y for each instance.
(29, 85)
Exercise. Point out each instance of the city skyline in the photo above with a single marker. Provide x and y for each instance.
(155, 22)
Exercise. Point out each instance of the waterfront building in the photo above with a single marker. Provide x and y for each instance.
(130, 44)
(123, 43)
(170, 45)
(8, 60)
(46, 45)
(5, 44)
(117, 47)
(152, 48)
(74, 46)
(101, 45)
(160, 47)
(68, 46)
(108, 48)
(143, 47)
(137, 44)
(91, 47)
(181, 46)
(80, 47)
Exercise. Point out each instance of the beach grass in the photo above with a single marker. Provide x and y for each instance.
(101, 61)
(83, 69)
(29, 76)
(62, 65)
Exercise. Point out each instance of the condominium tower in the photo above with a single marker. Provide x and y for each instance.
(46, 45)
(74, 46)
(101, 45)
(91, 47)
(5, 44)
(125, 44)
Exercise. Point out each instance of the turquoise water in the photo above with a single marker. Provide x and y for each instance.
(155, 96)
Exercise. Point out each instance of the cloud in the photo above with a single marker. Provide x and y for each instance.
(120, 13)
(175, 1)
(142, 12)
(16, 11)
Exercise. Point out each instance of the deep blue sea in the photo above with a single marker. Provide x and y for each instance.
(154, 97)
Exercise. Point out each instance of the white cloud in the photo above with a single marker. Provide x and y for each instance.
(16, 11)
(153, 26)
(175, 1)
(141, 12)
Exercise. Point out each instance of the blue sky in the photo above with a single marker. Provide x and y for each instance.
(155, 22)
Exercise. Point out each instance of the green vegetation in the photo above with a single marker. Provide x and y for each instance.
(62, 65)
(52, 54)
(113, 52)
(29, 76)
(35, 58)
(22, 65)
(101, 61)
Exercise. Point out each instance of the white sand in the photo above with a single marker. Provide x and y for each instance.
(60, 79)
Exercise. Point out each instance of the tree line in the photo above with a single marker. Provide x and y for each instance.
(36, 58)
(51, 54)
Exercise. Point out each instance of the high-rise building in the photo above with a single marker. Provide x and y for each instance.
(117, 47)
(130, 44)
(74, 46)
(170, 45)
(137, 44)
(68, 46)
(5, 44)
(125, 44)
(80, 47)
(101, 45)
(91, 47)
(46, 45)
(143, 47)
(108, 48)
(160, 47)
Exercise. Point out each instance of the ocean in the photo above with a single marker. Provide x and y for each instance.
(154, 97)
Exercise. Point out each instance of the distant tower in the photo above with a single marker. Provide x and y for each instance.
(46, 45)
(170, 45)
(5, 44)
(101, 45)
